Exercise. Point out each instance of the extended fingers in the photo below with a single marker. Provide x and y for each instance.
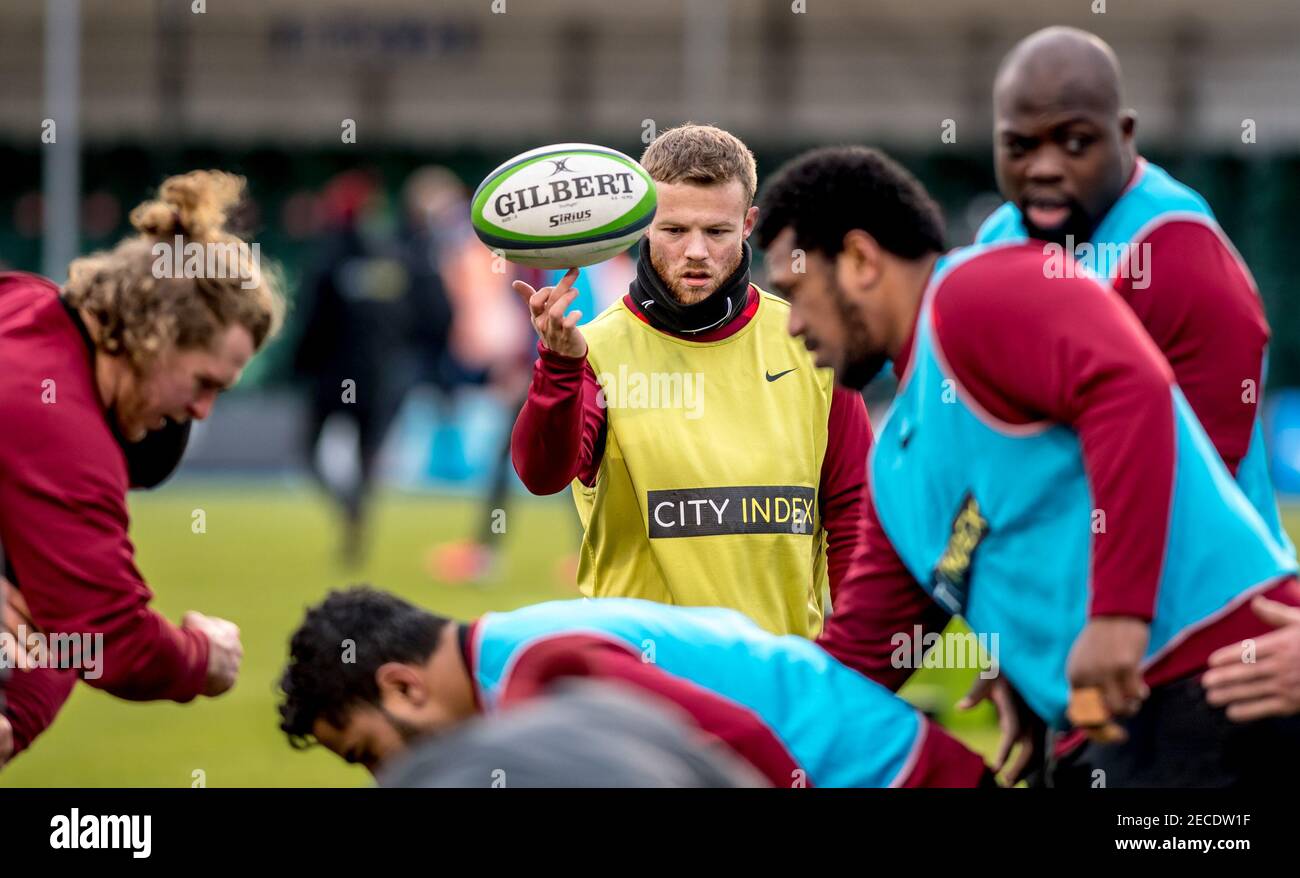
(1243, 691)
(1028, 748)
(1260, 708)
(1233, 675)
(566, 282)
(560, 304)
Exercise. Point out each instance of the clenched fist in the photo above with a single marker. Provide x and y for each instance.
(225, 652)
(1107, 656)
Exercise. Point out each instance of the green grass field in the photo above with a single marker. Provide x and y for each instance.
(267, 553)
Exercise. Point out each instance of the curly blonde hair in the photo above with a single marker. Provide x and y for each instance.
(143, 311)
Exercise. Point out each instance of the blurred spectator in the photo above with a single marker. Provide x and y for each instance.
(475, 559)
(373, 301)
(490, 346)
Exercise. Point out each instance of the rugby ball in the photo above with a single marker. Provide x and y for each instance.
(564, 206)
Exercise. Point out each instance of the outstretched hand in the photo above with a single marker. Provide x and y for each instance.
(546, 307)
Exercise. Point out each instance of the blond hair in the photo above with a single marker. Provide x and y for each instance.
(142, 312)
(703, 155)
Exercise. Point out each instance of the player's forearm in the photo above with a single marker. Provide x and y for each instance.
(553, 438)
(1129, 452)
(146, 658)
(33, 699)
(843, 482)
(866, 639)
(877, 600)
(133, 652)
(92, 605)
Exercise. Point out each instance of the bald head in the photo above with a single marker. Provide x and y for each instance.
(1063, 140)
(1060, 66)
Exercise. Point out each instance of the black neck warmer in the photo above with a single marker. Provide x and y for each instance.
(664, 312)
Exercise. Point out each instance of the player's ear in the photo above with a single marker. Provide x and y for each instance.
(1128, 120)
(859, 263)
(400, 683)
(751, 219)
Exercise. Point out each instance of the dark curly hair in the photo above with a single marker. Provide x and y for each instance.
(379, 627)
(825, 193)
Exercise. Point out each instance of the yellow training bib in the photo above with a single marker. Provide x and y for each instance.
(707, 489)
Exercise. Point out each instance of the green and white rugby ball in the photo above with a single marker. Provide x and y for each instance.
(564, 206)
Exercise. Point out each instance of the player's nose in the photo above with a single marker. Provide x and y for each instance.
(201, 407)
(696, 249)
(795, 325)
(1045, 166)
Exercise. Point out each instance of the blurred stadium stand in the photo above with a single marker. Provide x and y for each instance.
(262, 86)
(453, 72)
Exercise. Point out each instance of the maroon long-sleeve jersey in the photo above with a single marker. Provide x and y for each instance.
(64, 521)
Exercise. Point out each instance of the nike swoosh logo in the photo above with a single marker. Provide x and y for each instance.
(771, 377)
